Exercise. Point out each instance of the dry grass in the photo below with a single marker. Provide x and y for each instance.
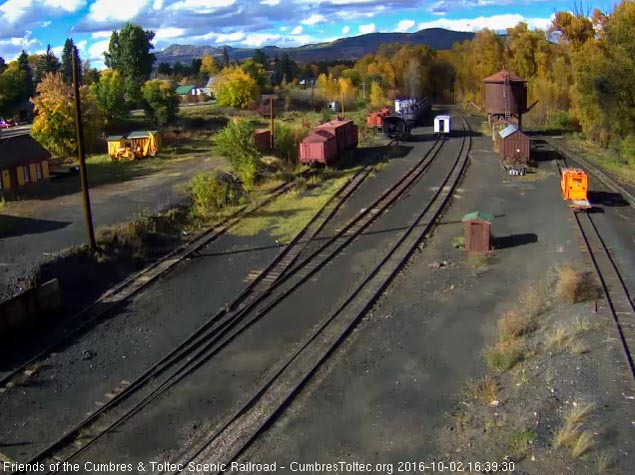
(578, 347)
(573, 435)
(605, 463)
(477, 260)
(27, 377)
(521, 444)
(484, 389)
(536, 299)
(558, 337)
(513, 324)
(458, 242)
(505, 354)
(569, 283)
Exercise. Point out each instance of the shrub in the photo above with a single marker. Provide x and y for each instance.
(504, 354)
(513, 325)
(236, 143)
(213, 191)
(627, 149)
(287, 141)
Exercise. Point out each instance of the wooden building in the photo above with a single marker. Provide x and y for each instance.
(23, 161)
(513, 143)
(190, 93)
(478, 231)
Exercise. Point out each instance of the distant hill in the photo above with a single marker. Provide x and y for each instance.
(345, 48)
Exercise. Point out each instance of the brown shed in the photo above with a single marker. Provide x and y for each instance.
(514, 143)
(263, 139)
(478, 231)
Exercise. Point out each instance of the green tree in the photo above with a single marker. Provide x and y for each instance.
(225, 57)
(89, 75)
(236, 143)
(164, 69)
(129, 53)
(261, 58)
(160, 101)
(3, 65)
(109, 94)
(68, 52)
(23, 65)
(46, 63)
(235, 88)
(256, 72)
(13, 89)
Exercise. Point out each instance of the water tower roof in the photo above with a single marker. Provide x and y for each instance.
(500, 77)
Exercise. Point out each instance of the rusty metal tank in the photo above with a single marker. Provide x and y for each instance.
(494, 93)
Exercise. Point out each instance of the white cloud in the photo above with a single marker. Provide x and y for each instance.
(346, 29)
(229, 37)
(68, 5)
(101, 34)
(284, 28)
(364, 29)
(201, 6)
(96, 50)
(13, 10)
(107, 10)
(405, 25)
(270, 2)
(313, 19)
(163, 33)
(495, 22)
(297, 30)
(157, 5)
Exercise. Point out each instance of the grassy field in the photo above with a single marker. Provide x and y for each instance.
(604, 159)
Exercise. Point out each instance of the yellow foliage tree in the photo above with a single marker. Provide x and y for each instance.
(208, 65)
(54, 124)
(347, 90)
(235, 88)
(377, 97)
(327, 87)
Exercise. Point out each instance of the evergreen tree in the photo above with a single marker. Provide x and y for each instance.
(23, 65)
(70, 49)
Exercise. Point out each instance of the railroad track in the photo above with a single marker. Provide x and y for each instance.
(282, 276)
(232, 437)
(616, 294)
(117, 295)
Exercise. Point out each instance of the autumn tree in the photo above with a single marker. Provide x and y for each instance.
(208, 65)
(160, 101)
(377, 97)
(13, 89)
(129, 53)
(109, 94)
(68, 52)
(235, 88)
(256, 72)
(54, 124)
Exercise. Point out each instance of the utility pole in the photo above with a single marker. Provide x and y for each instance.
(271, 122)
(82, 159)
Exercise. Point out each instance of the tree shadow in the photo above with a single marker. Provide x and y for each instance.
(607, 198)
(514, 240)
(12, 226)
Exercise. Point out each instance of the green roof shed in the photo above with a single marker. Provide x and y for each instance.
(477, 226)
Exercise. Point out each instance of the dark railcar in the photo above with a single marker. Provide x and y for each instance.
(394, 126)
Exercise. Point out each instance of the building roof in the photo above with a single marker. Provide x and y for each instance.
(500, 77)
(114, 138)
(182, 90)
(142, 134)
(318, 136)
(507, 131)
(442, 117)
(21, 150)
(478, 215)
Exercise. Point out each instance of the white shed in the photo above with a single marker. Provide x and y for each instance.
(442, 124)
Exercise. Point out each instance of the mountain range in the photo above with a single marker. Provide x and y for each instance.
(344, 48)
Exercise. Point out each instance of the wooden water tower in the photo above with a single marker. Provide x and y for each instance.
(505, 97)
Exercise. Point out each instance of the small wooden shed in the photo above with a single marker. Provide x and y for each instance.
(262, 138)
(115, 142)
(513, 143)
(145, 142)
(478, 231)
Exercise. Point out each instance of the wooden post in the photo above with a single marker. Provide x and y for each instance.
(88, 215)
(271, 122)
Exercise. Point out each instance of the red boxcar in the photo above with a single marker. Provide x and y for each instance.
(263, 139)
(319, 147)
(345, 132)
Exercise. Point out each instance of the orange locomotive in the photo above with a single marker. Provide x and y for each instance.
(574, 185)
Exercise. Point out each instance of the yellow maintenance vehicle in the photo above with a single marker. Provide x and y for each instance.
(137, 144)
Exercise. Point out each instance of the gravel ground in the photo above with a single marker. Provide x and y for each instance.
(389, 393)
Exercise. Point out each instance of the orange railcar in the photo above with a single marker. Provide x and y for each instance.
(574, 186)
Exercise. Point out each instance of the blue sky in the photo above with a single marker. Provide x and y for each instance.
(32, 24)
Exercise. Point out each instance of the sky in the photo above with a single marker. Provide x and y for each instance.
(32, 24)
